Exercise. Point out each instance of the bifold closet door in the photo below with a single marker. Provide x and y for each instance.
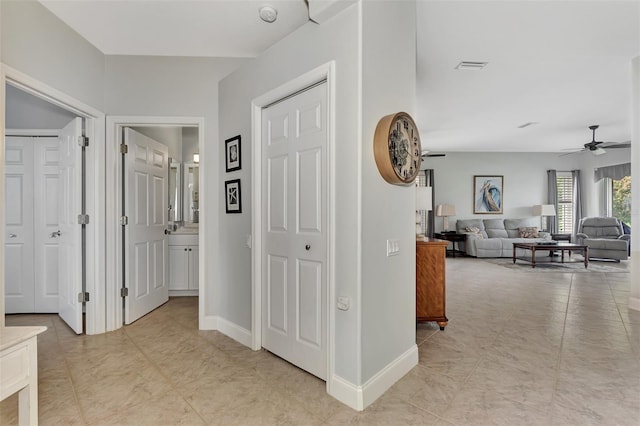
(31, 246)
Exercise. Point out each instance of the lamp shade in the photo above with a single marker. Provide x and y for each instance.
(544, 210)
(423, 198)
(446, 210)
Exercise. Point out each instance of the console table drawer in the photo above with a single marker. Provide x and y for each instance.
(14, 368)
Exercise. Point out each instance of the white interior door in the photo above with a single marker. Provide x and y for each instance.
(18, 205)
(294, 255)
(46, 183)
(70, 235)
(146, 250)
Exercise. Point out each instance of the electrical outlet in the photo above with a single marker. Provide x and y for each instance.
(393, 247)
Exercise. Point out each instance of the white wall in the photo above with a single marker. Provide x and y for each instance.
(178, 87)
(525, 179)
(388, 211)
(25, 111)
(634, 297)
(37, 43)
(171, 137)
(307, 48)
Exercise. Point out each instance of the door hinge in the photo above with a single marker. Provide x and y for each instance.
(83, 297)
(124, 220)
(124, 148)
(83, 141)
(124, 292)
(83, 219)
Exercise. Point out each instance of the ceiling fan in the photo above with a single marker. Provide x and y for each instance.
(597, 147)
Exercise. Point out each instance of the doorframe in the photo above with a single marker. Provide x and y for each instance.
(114, 126)
(94, 129)
(323, 72)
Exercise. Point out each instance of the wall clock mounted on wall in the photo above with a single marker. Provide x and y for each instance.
(397, 149)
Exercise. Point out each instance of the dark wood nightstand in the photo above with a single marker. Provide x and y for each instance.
(454, 238)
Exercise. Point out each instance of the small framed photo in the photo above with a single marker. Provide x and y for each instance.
(233, 197)
(232, 154)
(488, 194)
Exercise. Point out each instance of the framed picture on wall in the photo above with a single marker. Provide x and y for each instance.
(232, 154)
(233, 197)
(488, 194)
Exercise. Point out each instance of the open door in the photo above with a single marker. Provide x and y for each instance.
(145, 211)
(69, 229)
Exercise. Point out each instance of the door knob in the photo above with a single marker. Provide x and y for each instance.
(307, 247)
(55, 234)
(13, 235)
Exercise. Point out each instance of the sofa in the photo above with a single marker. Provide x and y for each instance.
(495, 237)
(605, 238)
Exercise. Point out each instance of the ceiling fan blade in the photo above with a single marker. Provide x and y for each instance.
(616, 145)
(434, 155)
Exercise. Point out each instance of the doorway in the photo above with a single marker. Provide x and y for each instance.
(81, 296)
(312, 326)
(164, 131)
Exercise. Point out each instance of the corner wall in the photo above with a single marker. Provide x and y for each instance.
(634, 296)
(35, 42)
(305, 49)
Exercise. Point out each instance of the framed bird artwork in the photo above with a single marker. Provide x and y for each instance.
(488, 194)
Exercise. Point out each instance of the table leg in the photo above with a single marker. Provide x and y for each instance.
(533, 257)
(586, 257)
(562, 255)
(514, 255)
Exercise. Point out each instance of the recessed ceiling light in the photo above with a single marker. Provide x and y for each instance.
(268, 14)
(470, 65)
(530, 123)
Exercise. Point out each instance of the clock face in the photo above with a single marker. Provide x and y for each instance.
(397, 148)
(404, 148)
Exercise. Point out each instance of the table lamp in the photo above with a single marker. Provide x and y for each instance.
(423, 202)
(544, 210)
(445, 210)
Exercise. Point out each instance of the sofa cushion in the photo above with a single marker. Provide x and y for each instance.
(495, 228)
(461, 226)
(512, 225)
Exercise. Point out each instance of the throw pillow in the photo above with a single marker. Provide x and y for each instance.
(528, 232)
(474, 230)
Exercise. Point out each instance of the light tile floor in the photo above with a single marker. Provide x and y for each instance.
(521, 348)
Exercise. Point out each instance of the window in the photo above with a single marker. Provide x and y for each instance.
(621, 199)
(564, 183)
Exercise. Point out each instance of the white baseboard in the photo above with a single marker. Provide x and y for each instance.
(359, 397)
(237, 333)
(208, 322)
(634, 303)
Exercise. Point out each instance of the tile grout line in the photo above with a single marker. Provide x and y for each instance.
(161, 372)
(70, 377)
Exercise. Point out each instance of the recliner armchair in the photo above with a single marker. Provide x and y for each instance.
(605, 238)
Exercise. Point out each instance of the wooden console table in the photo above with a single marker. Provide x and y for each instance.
(19, 369)
(430, 281)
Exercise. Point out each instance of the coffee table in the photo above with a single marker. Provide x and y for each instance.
(561, 247)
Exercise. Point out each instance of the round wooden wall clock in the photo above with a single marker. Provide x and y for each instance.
(397, 149)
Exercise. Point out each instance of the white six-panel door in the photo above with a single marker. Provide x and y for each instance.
(31, 263)
(70, 236)
(18, 204)
(45, 190)
(294, 281)
(146, 249)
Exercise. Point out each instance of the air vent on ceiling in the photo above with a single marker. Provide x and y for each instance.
(469, 65)
(530, 123)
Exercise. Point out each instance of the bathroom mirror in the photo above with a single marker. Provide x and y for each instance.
(191, 193)
(175, 191)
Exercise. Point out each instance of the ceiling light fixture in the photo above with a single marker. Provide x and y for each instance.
(471, 65)
(268, 14)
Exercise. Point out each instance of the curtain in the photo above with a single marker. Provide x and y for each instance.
(552, 198)
(615, 172)
(577, 200)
